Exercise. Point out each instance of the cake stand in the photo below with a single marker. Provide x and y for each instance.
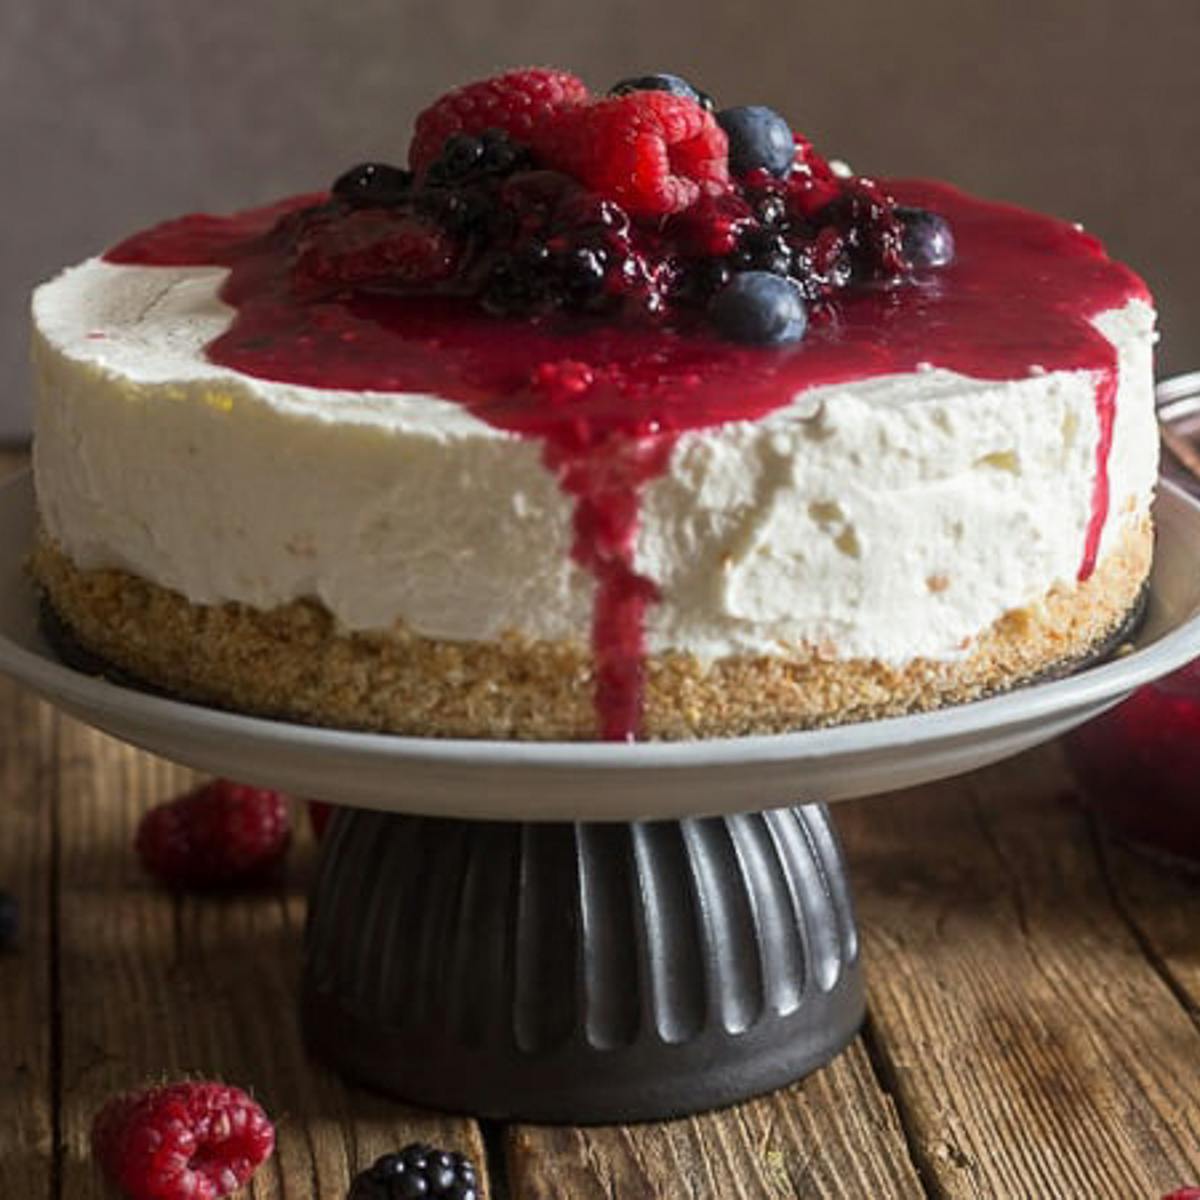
(589, 932)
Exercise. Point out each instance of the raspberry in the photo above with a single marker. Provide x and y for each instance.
(417, 1170)
(181, 1141)
(654, 152)
(368, 246)
(516, 102)
(713, 225)
(1187, 1193)
(220, 834)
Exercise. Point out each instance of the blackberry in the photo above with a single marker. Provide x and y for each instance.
(771, 209)
(764, 250)
(699, 278)
(517, 285)
(871, 230)
(10, 921)
(460, 156)
(467, 159)
(587, 211)
(583, 270)
(458, 211)
(501, 155)
(417, 1171)
(373, 183)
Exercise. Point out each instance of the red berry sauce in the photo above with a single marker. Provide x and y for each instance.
(608, 400)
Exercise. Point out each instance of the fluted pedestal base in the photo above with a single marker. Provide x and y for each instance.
(581, 973)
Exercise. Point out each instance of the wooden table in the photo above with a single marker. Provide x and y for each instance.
(1034, 1026)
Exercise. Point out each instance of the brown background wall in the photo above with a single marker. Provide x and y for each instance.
(114, 113)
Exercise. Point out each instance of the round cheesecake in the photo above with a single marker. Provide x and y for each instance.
(918, 506)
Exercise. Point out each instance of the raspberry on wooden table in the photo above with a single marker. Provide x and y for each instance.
(221, 834)
(181, 1141)
(654, 152)
(516, 102)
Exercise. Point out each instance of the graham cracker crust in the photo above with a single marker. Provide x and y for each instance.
(292, 662)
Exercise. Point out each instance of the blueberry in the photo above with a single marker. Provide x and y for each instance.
(661, 82)
(9, 921)
(758, 138)
(372, 183)
(928, 241)
(761, 308)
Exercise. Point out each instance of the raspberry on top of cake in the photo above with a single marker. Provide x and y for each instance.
(609, 415)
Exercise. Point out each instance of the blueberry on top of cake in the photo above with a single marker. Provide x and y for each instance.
(618, 414)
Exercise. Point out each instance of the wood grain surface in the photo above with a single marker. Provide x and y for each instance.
(1033, 1030)
(1033, 1047)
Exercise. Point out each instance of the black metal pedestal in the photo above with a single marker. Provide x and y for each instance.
(581, 973)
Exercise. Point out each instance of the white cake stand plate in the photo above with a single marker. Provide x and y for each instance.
(588, 931)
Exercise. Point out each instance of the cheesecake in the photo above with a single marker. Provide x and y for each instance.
(532, 439)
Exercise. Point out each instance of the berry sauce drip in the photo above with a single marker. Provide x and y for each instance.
(608, 399)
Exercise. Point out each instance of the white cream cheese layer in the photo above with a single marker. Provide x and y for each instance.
(889, 518)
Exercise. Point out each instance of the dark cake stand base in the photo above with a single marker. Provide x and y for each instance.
(581, 972)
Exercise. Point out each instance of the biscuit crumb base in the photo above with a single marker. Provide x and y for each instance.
(293, 662)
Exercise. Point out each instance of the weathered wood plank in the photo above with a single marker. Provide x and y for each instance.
(1031, 1045)
(1161, 901)
(155, 988)
(834, 1135)
(26, 990)
(26, 994)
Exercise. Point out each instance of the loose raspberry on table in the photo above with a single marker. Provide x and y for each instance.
(221, 834)
(654, 152)
(517, 102)
(181, 1141)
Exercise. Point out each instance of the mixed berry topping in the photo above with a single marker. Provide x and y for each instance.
(537, 199)
(181, 1141)
(616, 357)
(417, 1171)
(222, 834)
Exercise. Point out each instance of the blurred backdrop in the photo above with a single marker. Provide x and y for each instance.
(116, 114)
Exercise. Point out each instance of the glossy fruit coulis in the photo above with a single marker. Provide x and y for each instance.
(607, 401)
